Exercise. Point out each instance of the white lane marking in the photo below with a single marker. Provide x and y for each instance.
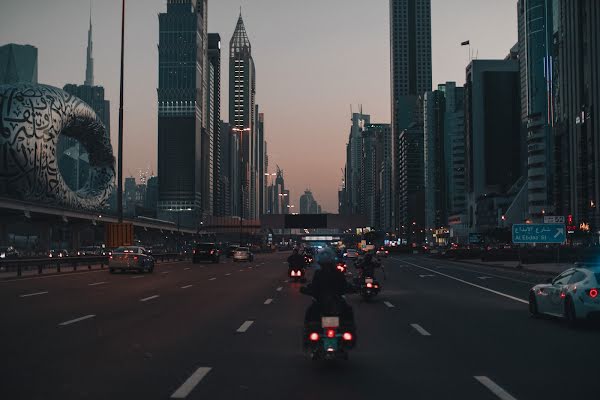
(33, 294)
(279, 289)
(483, 278)
(165, 272)
(426, 276)
(212, 279)
(138, 277)
(494, 388)
(191, 382)
(472, 284)
(73, 321)
(241, 270)
(150, 298)
(388, 304)
(97, 283)
(420, 329)
(187, 269)
(228, 274)
(286, 281)
(245, 326)
(187, 286)
(268, 301)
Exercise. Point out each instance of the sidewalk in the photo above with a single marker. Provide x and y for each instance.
(543, 269)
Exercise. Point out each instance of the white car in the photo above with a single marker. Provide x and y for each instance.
(572, 295)
(351, 254)
(243, 254)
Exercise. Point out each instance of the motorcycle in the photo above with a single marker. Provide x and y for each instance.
(369, 288)
(308, 260)
(342, 267)
(297, 274)
(329, 340)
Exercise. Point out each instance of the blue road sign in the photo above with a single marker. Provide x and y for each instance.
(538, 233)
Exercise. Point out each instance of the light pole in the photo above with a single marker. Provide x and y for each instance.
(242, 183)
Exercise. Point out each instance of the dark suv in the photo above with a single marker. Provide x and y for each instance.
(206, 252)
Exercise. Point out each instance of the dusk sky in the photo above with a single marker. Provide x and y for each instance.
(314, 58)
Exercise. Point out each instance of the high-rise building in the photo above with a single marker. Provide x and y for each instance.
(308, 204)
(242, 114)
(454, 149)
(375, 175)
(214, 111)
(577, 114)
(536, 64)
(410, 57)
(434, 162)
(354, 160)
(492, 132)
(227, 158)
(261, 162)
(129, 195)
(73, 159)
(151, 200)
(18, 63)
(182, 103)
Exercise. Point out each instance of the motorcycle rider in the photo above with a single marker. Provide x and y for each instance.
(368, 266)
(327, 287)
(295, 261)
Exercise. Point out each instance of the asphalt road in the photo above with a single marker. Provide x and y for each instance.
(233, 331)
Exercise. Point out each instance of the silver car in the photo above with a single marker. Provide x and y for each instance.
(572, 295)
(243, 254)
(132, 258)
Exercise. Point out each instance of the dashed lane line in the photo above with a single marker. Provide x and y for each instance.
(471, 284)
(245, 326)
(212, 279)
(138, 277)
(187, 286)
(494, 388)
(268, 301)
(74, 321)
(279, 289)
(420, 329)
(33, 294)
(388, 304)
(150, 298)
(97, 283)
(186, 388)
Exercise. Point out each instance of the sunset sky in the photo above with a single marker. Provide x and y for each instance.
(314, 58)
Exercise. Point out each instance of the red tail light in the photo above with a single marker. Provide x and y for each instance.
(330, 333)
(314, 336)
(110, 257)
(563, 295)
(135, 258)
(593, 293)
(369, 285)
(347, 336)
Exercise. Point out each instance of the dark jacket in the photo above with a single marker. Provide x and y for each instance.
(328, 284)
(296, 260)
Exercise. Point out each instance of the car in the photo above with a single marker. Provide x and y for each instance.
(131, 258)
(382, 252)
(351, 254)
(243, 254)
(8, 252)
(206, 252)
(572, 295)
(231, 250)
(58, 253)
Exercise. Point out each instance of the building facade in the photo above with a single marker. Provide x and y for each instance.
(434, 161)
(18, 64)
(411, 76)
(454, 149)
(182, 122)
(214, 111)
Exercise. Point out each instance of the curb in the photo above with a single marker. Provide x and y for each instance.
(504, 267)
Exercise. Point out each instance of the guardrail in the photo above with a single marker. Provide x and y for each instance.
(19, 265)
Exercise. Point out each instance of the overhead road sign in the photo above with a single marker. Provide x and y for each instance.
(538, 233)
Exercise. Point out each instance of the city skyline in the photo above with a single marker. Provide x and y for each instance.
(328, 44)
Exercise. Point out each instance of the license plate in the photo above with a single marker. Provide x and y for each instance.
(368, 280)
(330, 322)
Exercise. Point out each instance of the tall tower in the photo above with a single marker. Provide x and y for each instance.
(410, 58)
(89, 68)
(182, 103)
(242, 106)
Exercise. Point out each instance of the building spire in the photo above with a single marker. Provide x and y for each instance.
(89, 69)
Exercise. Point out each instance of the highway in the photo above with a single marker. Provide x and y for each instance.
(233, 331)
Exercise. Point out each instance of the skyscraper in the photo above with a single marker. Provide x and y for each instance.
(261, 161)
(214, 111)
(434, 163)
(410, 57)
(242, 114)
(227, 152)
(89, 66)
(354, 162)
(454, 149)
(18, 63)
(182, 103)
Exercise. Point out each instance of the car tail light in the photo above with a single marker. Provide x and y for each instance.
(347, 336)
(212, 252)
(110, 257)
(563, 295)
(135, 258)
(369, 285)
(314, 336)
(330, 333)
(593, 293)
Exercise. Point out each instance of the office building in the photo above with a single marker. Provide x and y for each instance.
(214, 116)
(354, 160)
(18, 64)
(454, 149)
(493, 131)
(182, 103)
(227, 170)
(410, 57)
(242, 115)
(434, 162)
(151, 200)
(308, 204)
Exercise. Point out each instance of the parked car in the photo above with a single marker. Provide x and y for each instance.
(231, 250)
(58, 253)
(8, 252)
(206, 252)
(573, 295)
(243, 254)
(131, 258)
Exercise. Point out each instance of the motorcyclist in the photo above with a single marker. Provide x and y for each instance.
(295, 261)
(327, 287)
(368, 266)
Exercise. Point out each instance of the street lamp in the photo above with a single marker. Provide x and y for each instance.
(242, 182)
